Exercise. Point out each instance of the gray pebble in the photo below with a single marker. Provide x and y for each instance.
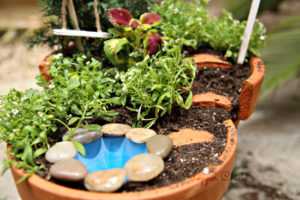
(160, 145)
(68, 170)
(84, 136)
(105, 181)
(115, 129)
(140, 135)
(61, 151)
(144, 167)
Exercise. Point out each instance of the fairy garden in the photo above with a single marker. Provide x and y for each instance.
(124, 91)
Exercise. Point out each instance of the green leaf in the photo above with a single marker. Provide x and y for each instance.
(23, 178)
(53, 128)
(113, 48)
(189, 101)
(111, 113)
(108, 119)
(76, 110)
(93, 127)
(7, 126)
(73, 120)
(27, 155)
(89, 89)
(73, 86)
(79, 147)
(41, 84)
(39, 152)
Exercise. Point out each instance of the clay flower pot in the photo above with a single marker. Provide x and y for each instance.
(209, 186)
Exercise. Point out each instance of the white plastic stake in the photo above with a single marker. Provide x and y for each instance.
(79, 33)
(248, 31)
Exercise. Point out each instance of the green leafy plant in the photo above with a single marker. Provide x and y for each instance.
(80, 90)
(158, 83)
(183, 20)
(136, 39)
(190, 22)
(225, 35)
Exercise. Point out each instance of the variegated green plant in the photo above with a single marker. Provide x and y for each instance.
(135, 38)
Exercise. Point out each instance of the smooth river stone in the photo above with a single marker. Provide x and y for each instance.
(68, 170)
(105, 181)
(84, 136)
(115, 129)
(160, 145)
(140, 135)
(61, 151)
(144, 167)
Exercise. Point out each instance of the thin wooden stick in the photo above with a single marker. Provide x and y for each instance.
(64, 14)
(248, 31)
(98, 23)
(73, 16)
(64, 22)
(72, 12)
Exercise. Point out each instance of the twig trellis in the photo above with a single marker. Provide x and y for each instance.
(78, 33)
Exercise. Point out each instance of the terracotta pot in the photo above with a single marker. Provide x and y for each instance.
(202, 186)
(250, 89)
(44, 66)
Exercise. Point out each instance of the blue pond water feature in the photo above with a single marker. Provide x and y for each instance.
(109, 152)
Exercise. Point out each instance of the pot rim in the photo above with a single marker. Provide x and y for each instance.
(200, 181)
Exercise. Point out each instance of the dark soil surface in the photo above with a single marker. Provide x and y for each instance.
(184, 161)
(227, 82)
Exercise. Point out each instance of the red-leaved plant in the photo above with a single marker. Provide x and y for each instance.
(135, 38)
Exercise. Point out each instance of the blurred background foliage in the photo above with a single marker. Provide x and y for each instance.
(282, 52)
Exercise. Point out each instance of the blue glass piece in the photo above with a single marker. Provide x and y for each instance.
(110, 152)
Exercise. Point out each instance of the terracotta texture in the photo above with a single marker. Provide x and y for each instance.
(210, 99)
(189, 136)
(202, 186)
(44, 67)
(210, 60)
(251, 88)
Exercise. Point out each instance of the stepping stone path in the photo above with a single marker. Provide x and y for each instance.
(210, 60)
(160, 145)
(68, 170)
(105, 181)
(115, 129)
(140, 135)
(210, 99)
(61, 151)
(84, 136)
(144, 167)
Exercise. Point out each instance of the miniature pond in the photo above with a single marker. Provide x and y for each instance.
(109, 152)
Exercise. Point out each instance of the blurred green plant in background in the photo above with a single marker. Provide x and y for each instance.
(282, 52)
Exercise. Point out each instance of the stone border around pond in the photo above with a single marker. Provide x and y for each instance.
(140, 168)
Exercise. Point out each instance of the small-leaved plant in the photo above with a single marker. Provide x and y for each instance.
(157, 84)
(191, 22)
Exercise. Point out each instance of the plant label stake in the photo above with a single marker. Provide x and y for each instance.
(79, 33)
(248, 31)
